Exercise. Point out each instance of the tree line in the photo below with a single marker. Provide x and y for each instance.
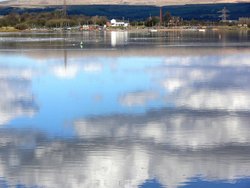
(49, 20)
(168, 20)
(58, 19)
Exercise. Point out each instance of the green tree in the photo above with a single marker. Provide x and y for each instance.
(12, 19)
(152, 21)
(167, 17)
(99, 20)
(21, 26)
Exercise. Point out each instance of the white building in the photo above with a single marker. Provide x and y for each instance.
(115, 23)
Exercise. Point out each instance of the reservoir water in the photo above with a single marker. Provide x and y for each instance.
(125, 109)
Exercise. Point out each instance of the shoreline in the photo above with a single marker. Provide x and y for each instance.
(132, 29)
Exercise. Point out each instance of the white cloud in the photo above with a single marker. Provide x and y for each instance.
(173, 84)
(191, 129)
(69, 72)
(17, 99)
(139, 98)
(205, 83)
(105, 160)
(232, 100)
(92, 67)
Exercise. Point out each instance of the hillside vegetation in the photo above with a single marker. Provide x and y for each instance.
(114, 2)
(187, 12)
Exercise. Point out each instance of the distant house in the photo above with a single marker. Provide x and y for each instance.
(175, 20)
(115, 23)
(85, 28)
(244, 21)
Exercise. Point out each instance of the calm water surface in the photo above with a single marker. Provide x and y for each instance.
(118, 109)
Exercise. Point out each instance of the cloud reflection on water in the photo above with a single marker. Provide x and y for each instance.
(206, 83)
(200, 128)
(108, 161)
(17, 99)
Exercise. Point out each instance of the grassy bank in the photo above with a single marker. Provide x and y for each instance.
(8, 29)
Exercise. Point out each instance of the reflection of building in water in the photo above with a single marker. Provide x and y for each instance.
(119, 38)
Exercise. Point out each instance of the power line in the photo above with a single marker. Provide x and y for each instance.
(224, 14)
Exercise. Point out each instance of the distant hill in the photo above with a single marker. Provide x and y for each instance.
(199, 12)
(113, 2)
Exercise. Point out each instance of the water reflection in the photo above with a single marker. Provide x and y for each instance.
(119, 38)
(182, 129)
(17, 98)
(105, 40)
(110, 162)
(124, 118)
